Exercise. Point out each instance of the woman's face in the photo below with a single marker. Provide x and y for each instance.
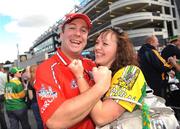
(105, 49)
(18, 74)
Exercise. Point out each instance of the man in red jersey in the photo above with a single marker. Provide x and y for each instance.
(60, 102)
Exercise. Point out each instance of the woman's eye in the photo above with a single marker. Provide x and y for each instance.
(96, 43)
(105, 44)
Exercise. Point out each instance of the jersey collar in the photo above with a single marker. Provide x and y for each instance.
(63, 58)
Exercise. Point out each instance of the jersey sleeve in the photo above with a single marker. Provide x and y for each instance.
(128, 83)
(49, 94)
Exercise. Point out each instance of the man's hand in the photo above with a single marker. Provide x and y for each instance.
(172, 60)
(77, 68)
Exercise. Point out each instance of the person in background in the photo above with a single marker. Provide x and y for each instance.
(32, 97)
(172, 49)
(175, 63)
(3, 80)
(25, 78)
(25, 82)
(114, 50)
(14, 100)
(172, 53)
(153, 66)
(60, 102)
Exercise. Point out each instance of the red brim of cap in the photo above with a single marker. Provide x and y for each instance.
(70, 17)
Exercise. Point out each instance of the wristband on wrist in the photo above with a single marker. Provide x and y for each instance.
(80, 77)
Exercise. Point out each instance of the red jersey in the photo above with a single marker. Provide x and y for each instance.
(55, 83)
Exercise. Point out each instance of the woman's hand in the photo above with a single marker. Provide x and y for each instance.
(102, 75)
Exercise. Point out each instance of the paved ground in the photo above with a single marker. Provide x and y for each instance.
(31, 120)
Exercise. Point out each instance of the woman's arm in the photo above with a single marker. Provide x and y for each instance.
(30, 94)
(106, 111)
